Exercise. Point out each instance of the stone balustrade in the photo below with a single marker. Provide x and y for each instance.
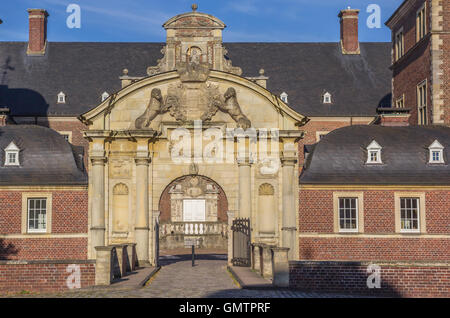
(193, 228)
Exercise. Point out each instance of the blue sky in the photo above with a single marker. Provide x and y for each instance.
(246, 20)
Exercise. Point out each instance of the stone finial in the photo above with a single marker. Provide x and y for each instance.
(194, 7)
(125, 71)
(261, 72)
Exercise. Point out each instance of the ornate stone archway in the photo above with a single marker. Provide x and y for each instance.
(205, 220)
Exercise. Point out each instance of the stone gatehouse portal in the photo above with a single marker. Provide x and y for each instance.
(193, 207)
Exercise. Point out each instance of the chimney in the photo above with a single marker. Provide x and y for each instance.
(349, 31)
(38, 31)
(393, 117)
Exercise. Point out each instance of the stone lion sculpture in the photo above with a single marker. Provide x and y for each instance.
(154, 108)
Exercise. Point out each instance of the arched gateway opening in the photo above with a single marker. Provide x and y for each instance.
(193, 209)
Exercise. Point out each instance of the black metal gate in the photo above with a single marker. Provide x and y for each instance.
(241, 242)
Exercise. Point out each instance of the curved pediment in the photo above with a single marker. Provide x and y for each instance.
(182, 96)
(194, 20)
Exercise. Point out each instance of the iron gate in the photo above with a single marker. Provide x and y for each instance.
(241, 242)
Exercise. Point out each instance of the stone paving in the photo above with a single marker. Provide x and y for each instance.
(177, 278)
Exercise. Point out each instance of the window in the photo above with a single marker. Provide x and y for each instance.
(61, 98)
(327, 98)
(37, 215)
(400, 103)
(284, 97)
(436, 152)
(348, 208)
(422, 103)
(421, 23)
(409, 214)
(12, 155)
(374, 153)
(348, 215)
(105, 95)
(399, 44)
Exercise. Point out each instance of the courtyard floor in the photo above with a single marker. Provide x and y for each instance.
(209, 278)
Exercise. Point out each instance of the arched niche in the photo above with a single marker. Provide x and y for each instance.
(192, 188)
(266, 209)
(120, 206)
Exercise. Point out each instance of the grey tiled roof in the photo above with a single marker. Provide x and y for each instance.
(46, 158)
(340, 157)
(358, 83)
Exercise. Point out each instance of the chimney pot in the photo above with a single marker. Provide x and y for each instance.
(349, 31)
(37, 42)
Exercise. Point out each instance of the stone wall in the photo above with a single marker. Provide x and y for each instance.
(396, 279)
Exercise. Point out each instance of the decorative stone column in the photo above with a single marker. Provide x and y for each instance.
(230, 215)
(142, 214)
(245, 188)
(98, 201)
(280, 265)
(289, 226)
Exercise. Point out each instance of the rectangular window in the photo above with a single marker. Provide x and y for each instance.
(37, 215)
(421, 23)
(12, 158)
(399, 45)
(422, 103)
(400, 103)
(436, 156)
(409, 214)
(348, 214)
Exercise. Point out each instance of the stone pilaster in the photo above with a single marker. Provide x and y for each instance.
(98, 201)
(289, 226)
(142, 213)
(245, 188)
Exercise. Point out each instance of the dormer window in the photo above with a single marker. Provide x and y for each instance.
(374, 153)
(12, 155)
(436, 152)
(284, 97)
(327, 98)
(105, 95)
(61, 98)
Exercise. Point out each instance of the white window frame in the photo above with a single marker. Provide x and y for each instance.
(421, 26)
(399, 41)
(422, 228)
(327, 98)
(61, 98)
(402, 230)
(12, 149)
(284, 97)
(436, 147)
(374, 148)
(422, 101)
(400, 102)
(343, 230)
(29, 230)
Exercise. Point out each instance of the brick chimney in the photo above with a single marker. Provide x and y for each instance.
(349, 31)
(390, 116)
(38, 31)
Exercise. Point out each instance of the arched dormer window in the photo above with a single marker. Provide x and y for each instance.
(374, 153)
(436, 152)
(61, 98)
(12, 155)
(284, 97)
(105, 95)
(326, 98)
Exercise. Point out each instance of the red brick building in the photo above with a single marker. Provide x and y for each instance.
(420, 60)
(376, 195)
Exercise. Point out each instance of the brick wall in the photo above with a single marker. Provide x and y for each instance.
(42, 276)
(69, 217)
(379, 241)
(397, 280)
(415, 66)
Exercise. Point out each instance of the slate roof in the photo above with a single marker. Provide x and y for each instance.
(358, 83)
(45, 157)
(340, 157)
